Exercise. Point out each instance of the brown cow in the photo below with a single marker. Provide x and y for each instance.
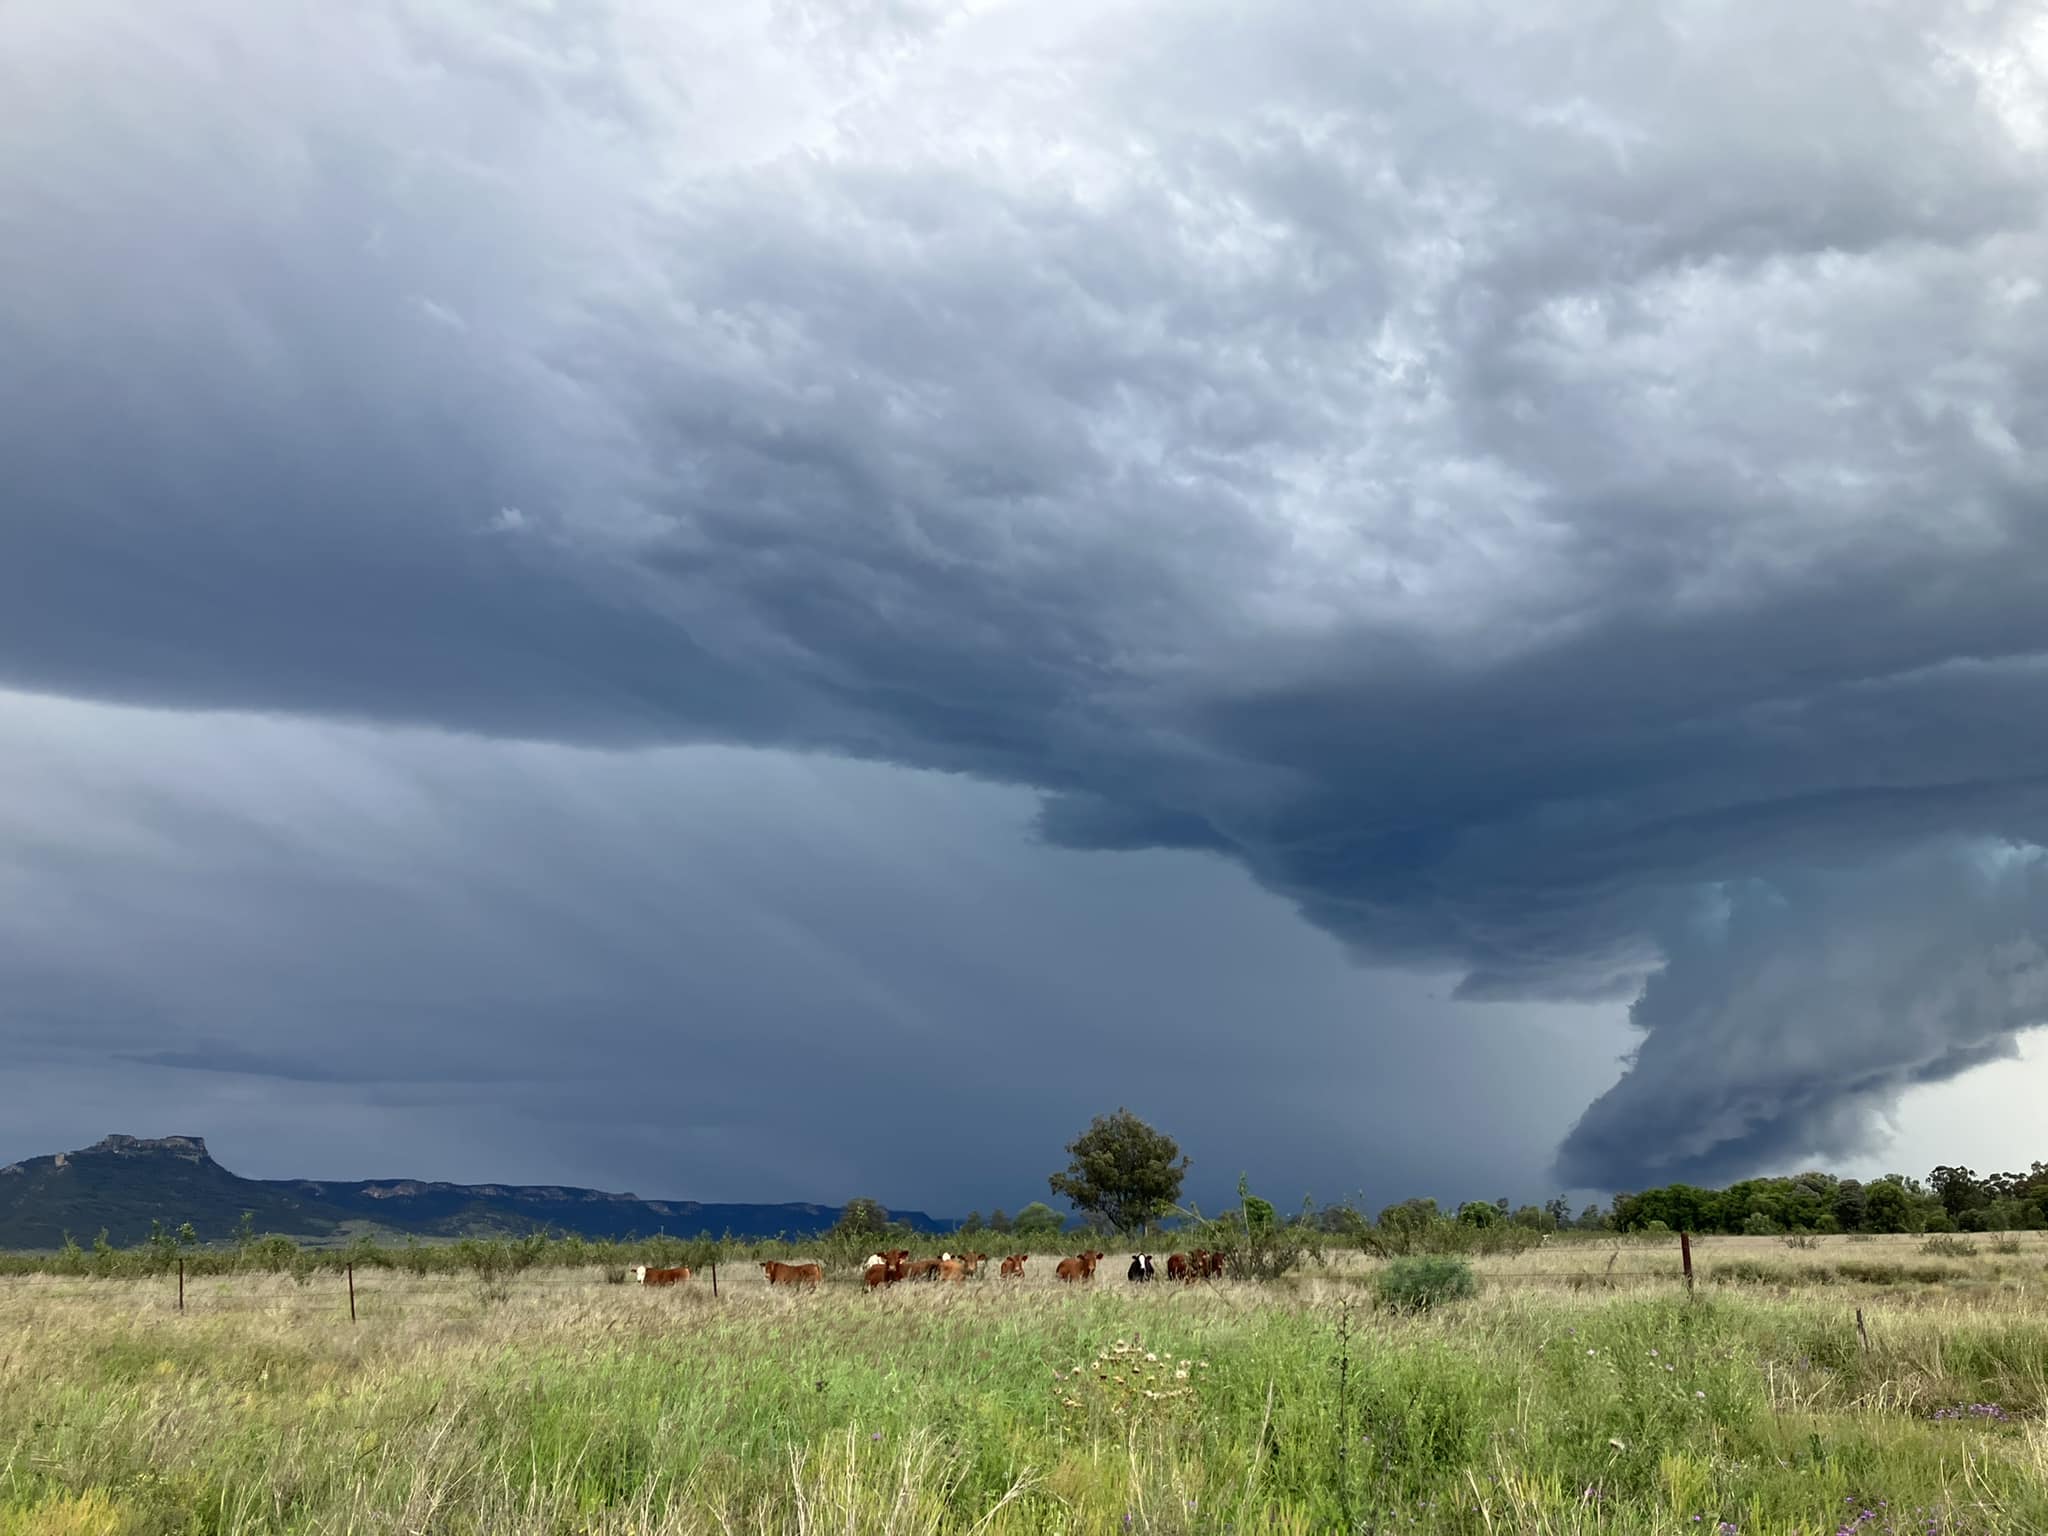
(1177, 1267)
(652, 1276)
(779, 1273)
(973, 1262)
(952, 1269)
(1079, 1267)
(1013, 1265)
(1212, 1265)
(885, 1268)
(920, 1269)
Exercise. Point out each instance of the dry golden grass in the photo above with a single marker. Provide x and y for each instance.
(574, 1405)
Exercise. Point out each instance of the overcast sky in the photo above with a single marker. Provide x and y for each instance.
(786, 600)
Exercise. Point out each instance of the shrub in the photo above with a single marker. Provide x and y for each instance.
(1801, 1240)
(1749, 1272)
(1419, 1283)
(1870, 1271)
(615, 1274)
(1950, 1247)
(2006, 1244)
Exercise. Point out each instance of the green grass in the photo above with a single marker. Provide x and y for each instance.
(580, 1406)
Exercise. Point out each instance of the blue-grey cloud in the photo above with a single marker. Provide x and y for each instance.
(697, 971)
(1495, 476)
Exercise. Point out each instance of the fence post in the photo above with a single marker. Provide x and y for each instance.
(181, 1284)
(1685, 1256)
(351, 1292)
(714, 1280)
(1861, 1333)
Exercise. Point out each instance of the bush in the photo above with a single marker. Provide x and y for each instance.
(1871, 1272)
(1950, 1247)
(2005, 1245)
(1419, 1283)
(1750, 1272)
(1801, 1240)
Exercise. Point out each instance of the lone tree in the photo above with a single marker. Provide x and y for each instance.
(1038, 1221)
(1122, 1170)
(862, 1218)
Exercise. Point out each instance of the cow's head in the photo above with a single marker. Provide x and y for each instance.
(640, 1273)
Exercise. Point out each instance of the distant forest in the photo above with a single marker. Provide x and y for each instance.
(1950, 1199)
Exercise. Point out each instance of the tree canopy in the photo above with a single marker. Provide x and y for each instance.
(1037, 1220)
(1123, 1171)
(862, 1218)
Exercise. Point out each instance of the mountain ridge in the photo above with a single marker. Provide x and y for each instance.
(124, 1183)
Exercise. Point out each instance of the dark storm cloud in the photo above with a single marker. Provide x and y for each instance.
(346, 951)
(1503, 477)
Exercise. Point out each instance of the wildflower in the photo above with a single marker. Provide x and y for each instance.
(1699, 1395)
(1653, 1354)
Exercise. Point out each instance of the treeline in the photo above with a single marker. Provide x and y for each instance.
(1951, 1199)
(1261, 1242)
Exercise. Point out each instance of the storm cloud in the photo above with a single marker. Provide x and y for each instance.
(1557, 494)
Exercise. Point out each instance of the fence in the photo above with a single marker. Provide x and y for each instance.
(341, 1292)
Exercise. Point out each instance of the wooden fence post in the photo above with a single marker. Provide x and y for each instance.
(1685, 1257)
(351, 1292)
(181, 1284)
(714, 1280)
(1861, 1333)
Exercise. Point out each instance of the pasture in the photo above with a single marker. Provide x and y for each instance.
(1580, 1391)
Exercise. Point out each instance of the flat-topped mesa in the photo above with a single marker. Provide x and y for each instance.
(394, 1189)
(193, 1147)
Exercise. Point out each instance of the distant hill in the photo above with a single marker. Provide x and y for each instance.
(125, 1182)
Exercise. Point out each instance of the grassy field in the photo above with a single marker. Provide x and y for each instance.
(1581, 1391)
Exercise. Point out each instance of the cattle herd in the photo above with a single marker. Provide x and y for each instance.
(896, 1265)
